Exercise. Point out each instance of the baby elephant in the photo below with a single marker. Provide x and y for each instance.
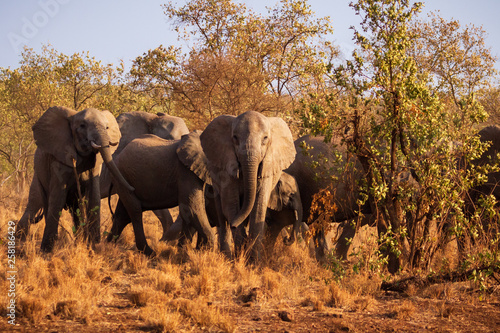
(165, 174)
(284, 209)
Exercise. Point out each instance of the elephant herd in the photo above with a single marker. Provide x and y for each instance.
(243, 174)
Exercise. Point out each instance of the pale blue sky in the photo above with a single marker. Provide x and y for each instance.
(124, 29)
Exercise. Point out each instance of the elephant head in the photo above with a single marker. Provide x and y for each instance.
(285, 207)
(72, 136)
(286, 195)
(246, 151)
(137, 123)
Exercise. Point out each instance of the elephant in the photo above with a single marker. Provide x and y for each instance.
(165, 174)
(71, 147)
(284, 209)
(337, 168)
(491, 186)
(137, 123)
(246, 155)
(134, 124)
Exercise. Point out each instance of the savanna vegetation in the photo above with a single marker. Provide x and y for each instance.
(408, 103)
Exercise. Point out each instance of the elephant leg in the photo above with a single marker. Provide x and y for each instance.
(273, 230)
(344, 241)
(175, 232)
(277, 221)
(321, 245)
(120, 221)
(134, 210)
(93, 230)
(34, 209)
(223, 229)
(166, 221)
(348, 233)
(57, 200)
(186, 237)
(257, 220)
(192, 207)
(240, 237)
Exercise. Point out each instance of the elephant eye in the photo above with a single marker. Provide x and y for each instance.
(235, 140)
(264, 140)
(82, 126)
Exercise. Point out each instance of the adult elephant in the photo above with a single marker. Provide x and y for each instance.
(246, 155)
(319, 165)
(165, 174)
(71, 147)
(284, 209)
(489, 134)
(135, 124)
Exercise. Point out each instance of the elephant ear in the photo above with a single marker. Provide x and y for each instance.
(275, 201)
(52, 134)
(281, 152)
(192, 156)
(217, 144)
(113, 129)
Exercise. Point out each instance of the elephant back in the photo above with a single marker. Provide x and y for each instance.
(132, 125)
(320, 164)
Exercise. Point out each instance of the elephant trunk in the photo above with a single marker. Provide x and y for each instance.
(250, 168)
(107, 158)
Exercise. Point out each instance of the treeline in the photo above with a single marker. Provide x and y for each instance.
(410, 97)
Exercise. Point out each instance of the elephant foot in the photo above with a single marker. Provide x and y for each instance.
(47, 247)
(148, 252)
(111, 238)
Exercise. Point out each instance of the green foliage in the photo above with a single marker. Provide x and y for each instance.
(238, 60)
(393, 112)
(52, 78)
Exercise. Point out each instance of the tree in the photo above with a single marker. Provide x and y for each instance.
(237, 60)
(395, 119)
(42, 80)
(458, 63)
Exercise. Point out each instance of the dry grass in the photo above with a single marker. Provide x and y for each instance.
(186, 289)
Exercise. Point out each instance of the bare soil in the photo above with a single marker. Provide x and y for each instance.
(390, 313)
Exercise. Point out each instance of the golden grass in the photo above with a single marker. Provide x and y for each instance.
(181, 289)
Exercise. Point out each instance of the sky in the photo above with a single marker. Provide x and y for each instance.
(115, 30)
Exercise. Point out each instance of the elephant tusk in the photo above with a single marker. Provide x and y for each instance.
(113, 143)
(296, 215)
(95, 145)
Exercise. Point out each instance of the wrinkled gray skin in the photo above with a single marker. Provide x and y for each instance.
(135, 124)
(165, 174)
(246, 155)
(284, 209)
(492, 185)
(64, 136)
(311, 180)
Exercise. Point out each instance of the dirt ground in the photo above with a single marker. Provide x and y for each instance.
(390, 313)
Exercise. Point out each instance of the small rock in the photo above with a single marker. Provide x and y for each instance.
(285, 316)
